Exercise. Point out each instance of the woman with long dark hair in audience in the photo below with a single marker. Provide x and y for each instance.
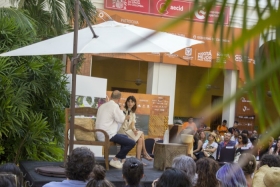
(133, 172)
(247, 162)
(231, 175)
(241, 146)
(206, 169)
(173, 177)
(98, 178)
(197, 145)
(276, 148)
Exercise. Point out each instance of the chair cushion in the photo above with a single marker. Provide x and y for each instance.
(87, 123)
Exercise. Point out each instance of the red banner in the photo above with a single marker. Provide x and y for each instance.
(176, 8)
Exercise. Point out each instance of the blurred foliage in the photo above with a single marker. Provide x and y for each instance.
(267, 58)
(33, 96)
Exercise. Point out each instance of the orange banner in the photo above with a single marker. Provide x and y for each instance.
(202, 55)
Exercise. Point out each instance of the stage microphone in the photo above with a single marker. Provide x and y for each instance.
(128, 113)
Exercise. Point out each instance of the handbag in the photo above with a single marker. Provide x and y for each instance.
(131, 134)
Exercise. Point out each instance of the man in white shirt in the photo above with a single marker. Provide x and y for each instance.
(109, 115)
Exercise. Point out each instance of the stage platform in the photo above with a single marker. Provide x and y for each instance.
(114, 175)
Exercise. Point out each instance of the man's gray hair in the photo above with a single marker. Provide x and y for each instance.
(186, 164)
(116, 94)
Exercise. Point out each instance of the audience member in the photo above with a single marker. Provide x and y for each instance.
(109, 115)
(266, 147)
(172, 177)
(232, 129)
(222, 128)
(190, 124)
(270, 160)
(276, 149)
(78, 168)
(209, 149)
(267, 176)
(241, 146)
(13, 169)
(203, 137)
(98, 178)
(247, 162)
(231, 175)
(197, 146)
(206, 169)
(249, 144)
(186, 164)
(235, 135)
(226, 142)
(133, 172)
(8, 180)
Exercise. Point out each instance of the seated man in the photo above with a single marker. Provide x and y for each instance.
(190, 124)
(222, 128)
(109, 116)
(79, 166)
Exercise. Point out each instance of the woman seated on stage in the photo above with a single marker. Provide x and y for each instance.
(128, 128)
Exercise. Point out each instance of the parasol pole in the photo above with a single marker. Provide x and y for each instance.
(74, 62)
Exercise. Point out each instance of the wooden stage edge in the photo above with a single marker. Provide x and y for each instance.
(114, 175)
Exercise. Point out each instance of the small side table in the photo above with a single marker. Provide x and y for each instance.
(165, 153)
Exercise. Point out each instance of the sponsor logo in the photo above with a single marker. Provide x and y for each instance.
(120, 4)
(245, 108)
(178, 8)
(240, 58)
(222, 57)
(200, 14)
(205, 56)
(188, 51)
(243, 100)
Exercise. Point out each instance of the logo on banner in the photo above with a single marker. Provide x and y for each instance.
(222, 57)
(188, 51)
(120, 4)
(160, 5)
(200, 14)
(205, 56)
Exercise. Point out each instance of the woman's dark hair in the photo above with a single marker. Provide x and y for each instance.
(270, 160)
(13, 169)
(98, 178)
(244, 138)
(8, 180)
(80, 164)
(206, 169)
(132, 171)
(173, 177)
(132, 98)
(247, 162)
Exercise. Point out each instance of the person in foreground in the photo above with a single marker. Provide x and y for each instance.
(173, 177)
(129, 126)
(13, 169)
(231, 175)
(186, 164)
(78, 168)
(247, 162)
(109, 115)
(133, 172)
(98, 178)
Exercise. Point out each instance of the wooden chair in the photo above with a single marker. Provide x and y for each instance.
(87, 112)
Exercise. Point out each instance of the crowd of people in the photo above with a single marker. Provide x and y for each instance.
(253, 165)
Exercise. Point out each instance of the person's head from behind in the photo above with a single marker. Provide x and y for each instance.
(131, 103)
(231, 175)
(235, 124)
(98, 178)
(13, 169)
(80, 164)
(8, 180)
(206, 169)
(133, 171)
(173, 177)
(247, 162)
(116, 95)
(270, 160)
(186, 164)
